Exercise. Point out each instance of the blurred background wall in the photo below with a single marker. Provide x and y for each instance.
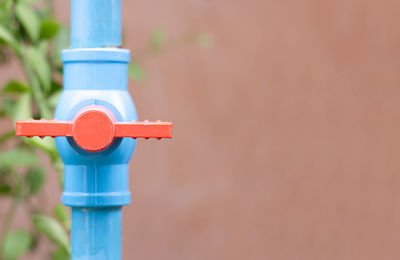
(286, 142)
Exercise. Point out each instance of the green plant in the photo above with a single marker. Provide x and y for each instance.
(30, 34)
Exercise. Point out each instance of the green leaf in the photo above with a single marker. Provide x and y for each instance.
(61, 42)
(8, 107)
(53, 99)
(136, 72)
(52, 229)
(35, 179)
(5, 10)
(56, 86)
(18, 157)
(43, 47)
(59, 166)
(61, 254)
(16, 243)
(61, 213)
(6, 36)
(46, 144)
(41, 66)
(15, 86)
(23, 109)
(157, 40)
(48, 29)
(7, 181)
(29, 20)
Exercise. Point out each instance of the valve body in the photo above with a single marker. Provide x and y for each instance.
(96, 184)
(96, 77)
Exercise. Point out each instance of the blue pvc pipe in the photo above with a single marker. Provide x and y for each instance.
(96, 185)
(96, 233)
(95, 23)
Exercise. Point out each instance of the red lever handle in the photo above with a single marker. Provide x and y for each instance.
(94, 129)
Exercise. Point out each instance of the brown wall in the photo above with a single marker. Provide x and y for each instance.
(286, 131)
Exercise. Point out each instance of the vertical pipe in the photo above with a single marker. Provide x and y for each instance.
(91, 189)
(95, 23)
(96, 233)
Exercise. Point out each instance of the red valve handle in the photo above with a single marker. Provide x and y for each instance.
(94, 129)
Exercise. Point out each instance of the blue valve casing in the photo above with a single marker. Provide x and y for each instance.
(96, 77)
(96, 185)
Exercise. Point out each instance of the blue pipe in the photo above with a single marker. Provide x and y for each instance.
(96, 184)
(103, 225)
(95, 23)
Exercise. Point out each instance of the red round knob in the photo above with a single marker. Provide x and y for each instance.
(93, 130)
